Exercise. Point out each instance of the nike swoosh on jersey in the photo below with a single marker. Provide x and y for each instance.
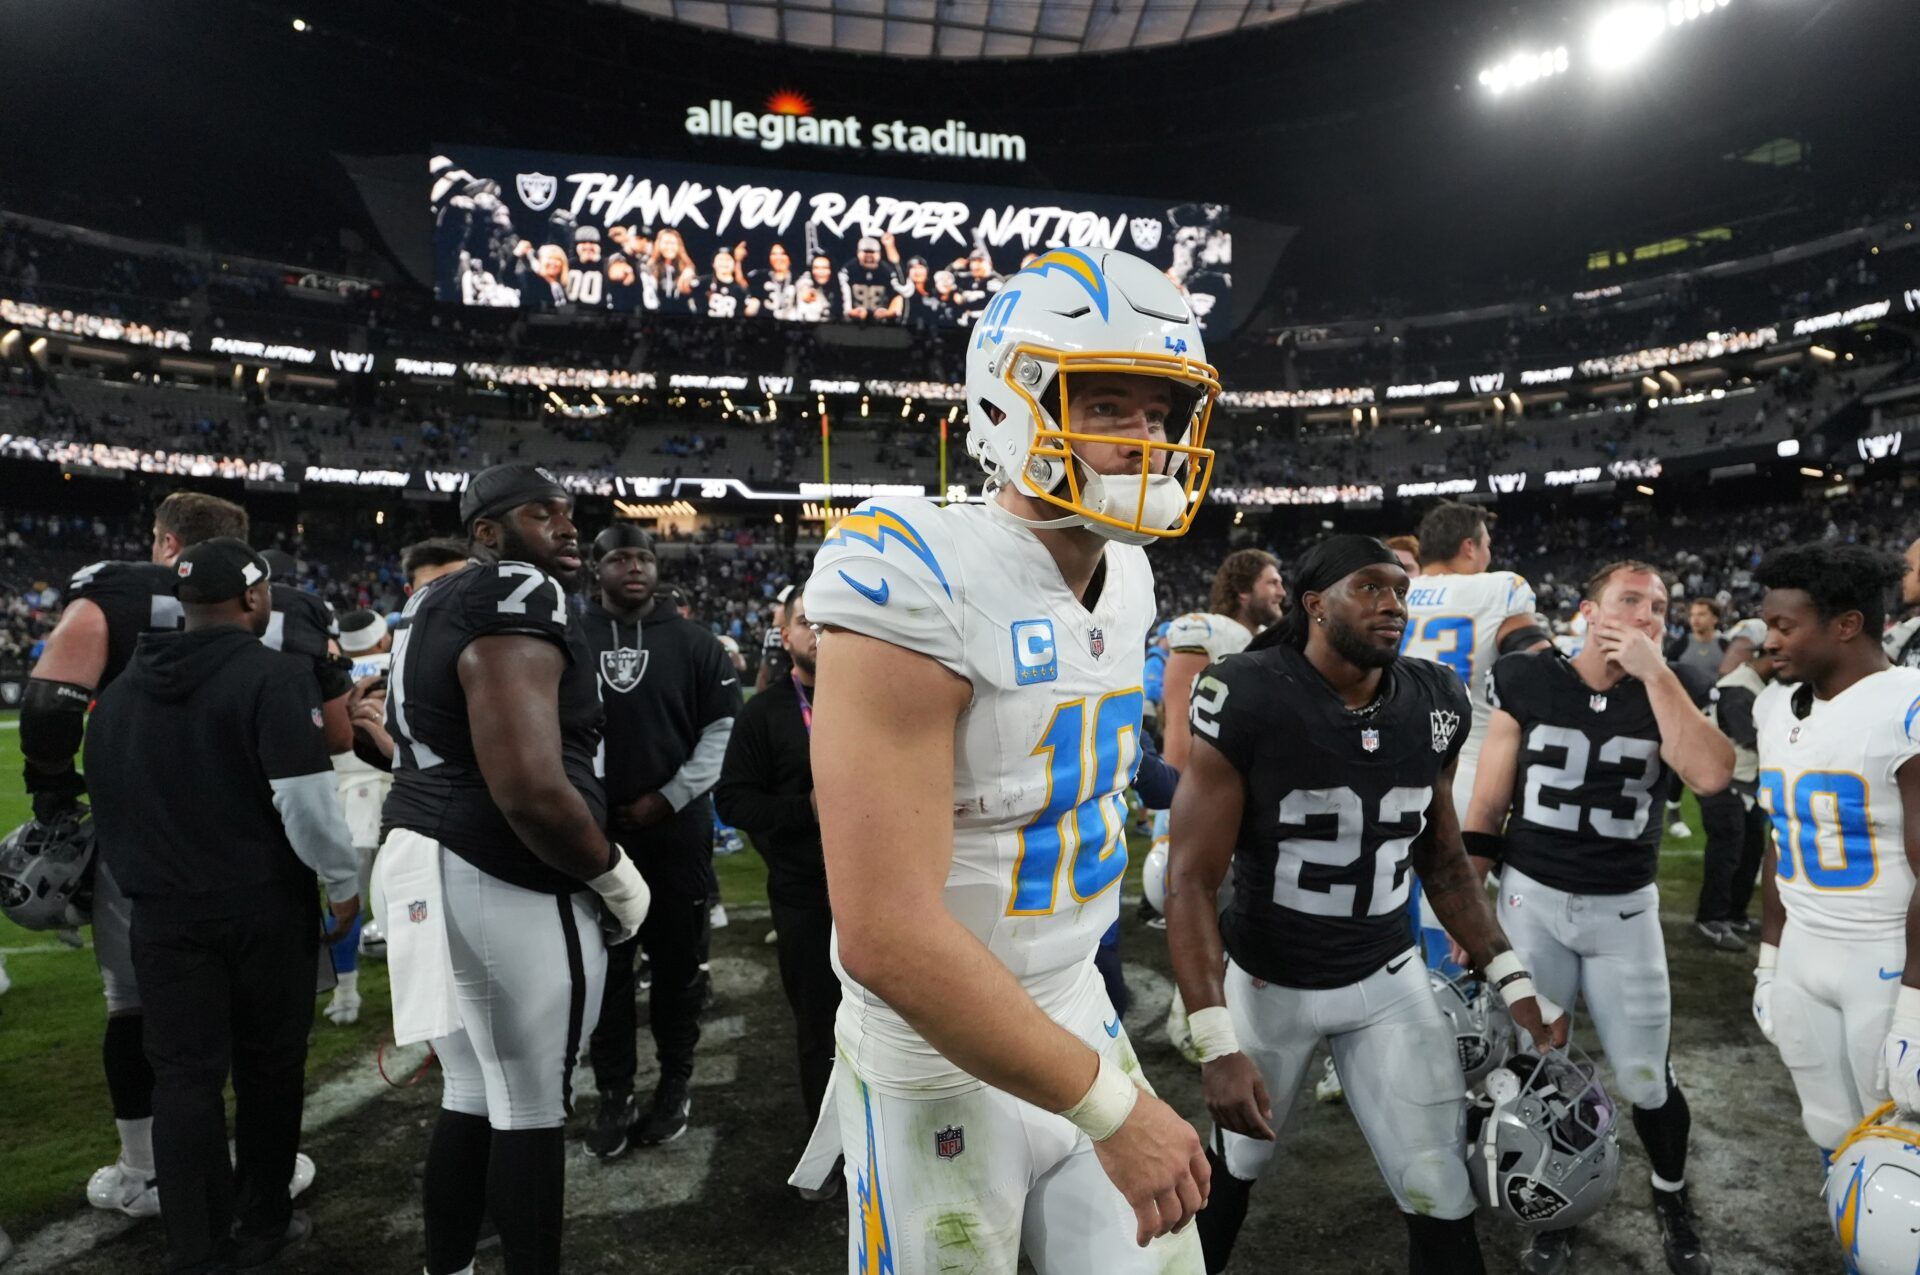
(1889, 977)
(1628, 916)
(729, 681)
(1112, 1028)
(1395, 969)
(876, 596)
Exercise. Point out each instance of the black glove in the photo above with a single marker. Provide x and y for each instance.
(55, 794)
(336, 676)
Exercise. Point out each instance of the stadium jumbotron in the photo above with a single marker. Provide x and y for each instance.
(1140, 636)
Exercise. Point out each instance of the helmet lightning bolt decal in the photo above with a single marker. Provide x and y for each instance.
(1078, 266)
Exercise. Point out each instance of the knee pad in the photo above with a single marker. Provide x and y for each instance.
(1642, 1084)
(1435, 1184)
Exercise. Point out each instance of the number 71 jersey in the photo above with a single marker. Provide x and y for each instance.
(1827, 779)
(1043, 754)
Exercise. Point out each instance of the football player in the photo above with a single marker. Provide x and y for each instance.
(495, 857)
(1464, 616)
(983, 663)
(1567, 803)
(1321, 769)
(363, 787)
(109, 605)
(1903, 639)
(1838, 986)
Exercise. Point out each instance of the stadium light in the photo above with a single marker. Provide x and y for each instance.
(1624, 35)
(1523, 69)
(299, 24)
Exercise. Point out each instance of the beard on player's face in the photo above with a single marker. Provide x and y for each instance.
(1357, 646)
(542, 533)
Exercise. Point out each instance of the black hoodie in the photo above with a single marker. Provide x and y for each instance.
(202, 761)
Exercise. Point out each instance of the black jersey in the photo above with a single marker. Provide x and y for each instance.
(587, 285)
(301, 624)
(438, 790)
(1335, 800)
(778, 293)
(719, 298)
(869, 288)
(1589, 780)
(136, 598)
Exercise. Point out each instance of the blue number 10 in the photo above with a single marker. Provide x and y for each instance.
(1086, 812)
(1458, 657)
(1798, 823)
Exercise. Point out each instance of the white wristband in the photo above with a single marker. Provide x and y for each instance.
(1509, 977)
(1907, 1004)
(1212, 1032)
(1107, 1103)
(1769, 957)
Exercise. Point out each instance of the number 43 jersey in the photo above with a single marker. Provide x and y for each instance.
(1043, 753)
(1589, 784)
(438, 790)
(1334, 802)
(1828, 778)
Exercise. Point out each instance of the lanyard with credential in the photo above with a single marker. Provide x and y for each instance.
(806, 705)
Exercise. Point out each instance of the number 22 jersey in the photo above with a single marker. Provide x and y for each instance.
(1042, 754)
(1828, 779)
(1335, 799)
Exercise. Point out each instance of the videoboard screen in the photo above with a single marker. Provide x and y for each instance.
(578, 234)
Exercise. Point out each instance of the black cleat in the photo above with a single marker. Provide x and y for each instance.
(667, 1118)
(1680, 1233)
(1547, 1252)
(607, 1132)
(254, 1251)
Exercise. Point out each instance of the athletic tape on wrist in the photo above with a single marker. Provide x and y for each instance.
(1769, 957)
(1212, 1032)
(1107, 1103)
(1907, 1004)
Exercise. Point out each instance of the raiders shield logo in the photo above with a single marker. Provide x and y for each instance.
(537, 190)
(623, 667)
(1145, 232)
(950, 1141)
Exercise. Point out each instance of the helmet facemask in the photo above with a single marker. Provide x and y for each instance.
(1156, 501)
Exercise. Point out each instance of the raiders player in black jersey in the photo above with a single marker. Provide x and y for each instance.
(869, 287)
(109, 605)
(497, 807)
(1566, 801)
(1322, 768)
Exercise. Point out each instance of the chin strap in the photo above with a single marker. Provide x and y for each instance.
(992, 488)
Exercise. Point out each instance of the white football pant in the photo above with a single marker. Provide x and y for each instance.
(1832, 1003)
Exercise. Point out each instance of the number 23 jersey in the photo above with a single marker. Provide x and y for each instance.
(1828, 779)
(1334, 802)
(1042, 754)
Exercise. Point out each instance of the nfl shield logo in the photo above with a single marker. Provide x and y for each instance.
(950, 1141)
(1097, 642)
(1793, 736)
(417, 911)
(1370, 740)
(1598, 703)
(318, 719)
(536, 190)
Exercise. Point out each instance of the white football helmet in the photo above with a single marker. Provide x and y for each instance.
(1873, 1195)
(1542, 1149)
(1153, 877)
(1067, 315)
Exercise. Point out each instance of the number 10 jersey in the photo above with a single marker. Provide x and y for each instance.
(1335, 799)
(1043, 754)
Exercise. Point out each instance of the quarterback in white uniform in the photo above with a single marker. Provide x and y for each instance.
(1836, 990)
(976, 724)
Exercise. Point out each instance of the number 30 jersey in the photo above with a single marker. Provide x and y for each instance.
(1334, 802)
(438, 790)
(1827, 779)
(1588, 783)
(1042, 754)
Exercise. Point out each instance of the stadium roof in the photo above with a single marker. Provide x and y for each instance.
(978, 28)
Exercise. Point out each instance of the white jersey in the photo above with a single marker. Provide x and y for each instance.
(1455, 620)
(1043, 754)
(1827, 780)
(363, 666)
(1215, 636)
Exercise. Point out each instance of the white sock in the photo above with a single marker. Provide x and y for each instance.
(349, 985)
(1661, 1184)
(136, 1144)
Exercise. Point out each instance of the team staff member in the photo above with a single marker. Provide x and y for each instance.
(671, 695)
(224, 943)
(109, 605)
(1736, 824)
(766, 788)
(491, 865)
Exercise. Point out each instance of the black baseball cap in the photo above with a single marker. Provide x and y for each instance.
(217, 570)
(281, 565)
(494, 491)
